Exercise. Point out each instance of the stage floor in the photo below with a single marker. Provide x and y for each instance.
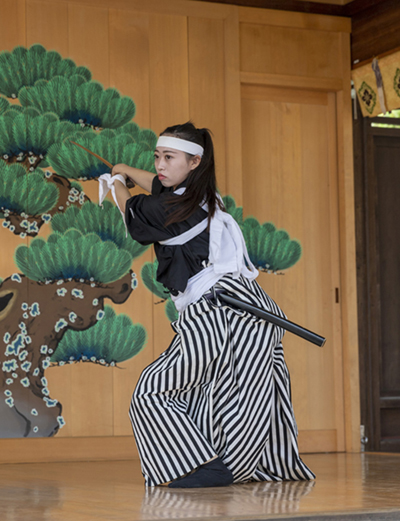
(348, 486)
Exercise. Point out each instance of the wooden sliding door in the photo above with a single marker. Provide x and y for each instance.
(290, 178)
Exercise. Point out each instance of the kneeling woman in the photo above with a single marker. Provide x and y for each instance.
(215, 407)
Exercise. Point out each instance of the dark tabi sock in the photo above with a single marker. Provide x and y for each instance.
(211, 474)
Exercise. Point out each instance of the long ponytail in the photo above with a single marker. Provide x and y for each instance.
(201, 186)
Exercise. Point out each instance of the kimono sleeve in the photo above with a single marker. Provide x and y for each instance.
(145, 218)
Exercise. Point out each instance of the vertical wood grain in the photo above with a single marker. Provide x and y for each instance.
(207, 84)
(181, 60)
(335, 266)
(91, 387)
(139, 307)
(47, 24)
(348, 256)
(286, 167)
(12, 24)
(88, 40)
(169, 75)
(169, 105)
(233, 125)
(130, 73)
(129, 60)
(289, 50)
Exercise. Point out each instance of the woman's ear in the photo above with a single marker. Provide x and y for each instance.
(195, 161)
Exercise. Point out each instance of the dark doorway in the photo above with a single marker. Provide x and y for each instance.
(377, 188)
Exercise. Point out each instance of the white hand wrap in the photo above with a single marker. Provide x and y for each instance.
(106, 183)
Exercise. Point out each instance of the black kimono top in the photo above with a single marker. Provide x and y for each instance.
(145, 217)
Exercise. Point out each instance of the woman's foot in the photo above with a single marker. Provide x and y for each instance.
(211, 474)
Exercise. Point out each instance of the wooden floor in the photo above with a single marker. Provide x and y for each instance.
(348, 486)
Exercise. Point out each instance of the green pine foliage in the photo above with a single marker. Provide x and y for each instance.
(79, 101)
(149, 277)
(231, 208)
(73, 255)
(5, 105)
(128, 145)
(106, 222)
(28, 133)
(145, 137)
(270, 250)
(20, 193)
(171, 311)
(112, 340)
(24, 67)
(149, 274)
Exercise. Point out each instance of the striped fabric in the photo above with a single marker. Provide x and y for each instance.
(222, 387)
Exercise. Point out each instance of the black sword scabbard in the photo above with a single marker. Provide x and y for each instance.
(274, 319)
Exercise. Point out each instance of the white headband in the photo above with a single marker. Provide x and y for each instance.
(180, 144)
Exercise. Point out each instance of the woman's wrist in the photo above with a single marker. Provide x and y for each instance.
(122, 170)
(116, 170)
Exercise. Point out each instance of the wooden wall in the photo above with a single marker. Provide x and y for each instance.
(274, 88)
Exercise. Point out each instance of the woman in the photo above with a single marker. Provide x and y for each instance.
(215, 407)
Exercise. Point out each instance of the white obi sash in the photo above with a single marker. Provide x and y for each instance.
(227, 254)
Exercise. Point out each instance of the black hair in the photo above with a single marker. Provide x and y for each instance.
(201, 185)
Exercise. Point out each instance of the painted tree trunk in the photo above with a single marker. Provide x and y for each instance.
(33, 318)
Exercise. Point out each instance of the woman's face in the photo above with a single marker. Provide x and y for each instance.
(173, 166)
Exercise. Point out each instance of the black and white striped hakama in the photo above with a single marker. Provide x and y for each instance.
(221, 388)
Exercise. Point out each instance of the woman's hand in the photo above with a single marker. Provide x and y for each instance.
(134, 176)
(120, 169)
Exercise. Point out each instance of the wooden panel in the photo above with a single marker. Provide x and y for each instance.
(348, 281)
(51, 29)
(207, 82)
(282, 50)
(176, 7)
(88, 40)
(335, 272)
(169, 75)
(317, 441)
(91, 398)
(119, 447)
(130, 74)
(181, 59)
(91, 401)
(285, 80)
(12, 24)
(169, 103)
(72, 385)
(129, 60)
(319, 7)
(234, 180)
(139, 307)
(67, 449)
(292, 191)
(261, 92)
(277, 18)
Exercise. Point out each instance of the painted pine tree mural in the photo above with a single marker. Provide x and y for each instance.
(53, 309)
(45, 103)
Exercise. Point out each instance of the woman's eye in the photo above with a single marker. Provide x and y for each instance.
(167, 157)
